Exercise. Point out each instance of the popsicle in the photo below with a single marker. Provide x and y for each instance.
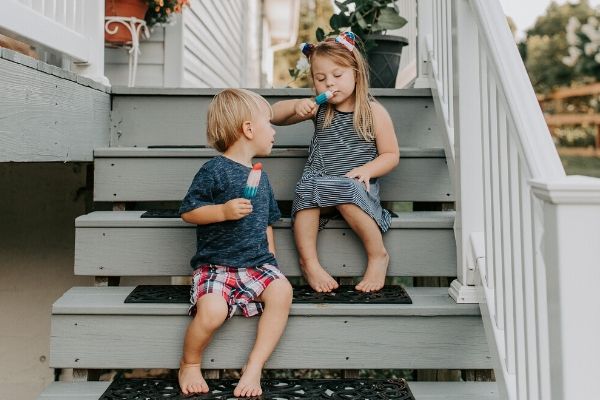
(252, 182)
(323, 97)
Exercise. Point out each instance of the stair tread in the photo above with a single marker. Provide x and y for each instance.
(418, 220)
(300, 92)
(421, 390)
(281, 152)
(427, 301)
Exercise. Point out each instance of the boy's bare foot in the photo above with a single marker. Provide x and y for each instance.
(190, 379)
(374, 278)
(318, 278)
(249, 384)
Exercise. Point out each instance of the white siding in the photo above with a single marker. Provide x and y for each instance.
(209, 45)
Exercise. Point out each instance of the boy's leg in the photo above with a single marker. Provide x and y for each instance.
(306, 228)
(368, 232)
(211, 312)
(277, 298)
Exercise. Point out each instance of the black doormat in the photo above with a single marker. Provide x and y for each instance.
(345, 294)
(275, 389)
(174, 213)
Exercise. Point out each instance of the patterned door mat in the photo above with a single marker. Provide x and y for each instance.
(275, 389)
(345, 294)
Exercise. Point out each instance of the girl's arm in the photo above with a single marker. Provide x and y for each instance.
(387, 147)
(288, 112)
(209, 214)
(271, 239)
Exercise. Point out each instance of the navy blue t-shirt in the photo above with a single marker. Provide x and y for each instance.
(239, 243)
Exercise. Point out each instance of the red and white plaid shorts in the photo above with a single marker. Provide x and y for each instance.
(240, 287)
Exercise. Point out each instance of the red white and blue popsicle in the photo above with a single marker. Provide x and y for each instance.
(323, 97)
(253, 181)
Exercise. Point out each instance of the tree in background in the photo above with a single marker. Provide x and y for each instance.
(546, 45)
(313, 13)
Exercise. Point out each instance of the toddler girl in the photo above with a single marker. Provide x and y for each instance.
(353, 145)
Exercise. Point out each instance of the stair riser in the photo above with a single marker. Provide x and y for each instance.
(156, 179)
(106, 341)
(167, 251)
(181, 120)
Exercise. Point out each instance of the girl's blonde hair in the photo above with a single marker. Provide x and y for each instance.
(227, 112)
(340, 55)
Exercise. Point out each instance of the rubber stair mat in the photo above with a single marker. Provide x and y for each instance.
(273, 389)
(345, 294)
(174, 213)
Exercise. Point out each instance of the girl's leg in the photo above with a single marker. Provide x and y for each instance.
(306, 227)
(210, 314)
(377, 257)
(277, 298)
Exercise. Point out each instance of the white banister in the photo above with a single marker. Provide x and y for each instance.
(529, 232)
(73, 28)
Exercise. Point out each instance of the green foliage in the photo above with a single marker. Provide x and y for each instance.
(363, 17)
(546, 45)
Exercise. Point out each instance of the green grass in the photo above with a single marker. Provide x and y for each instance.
(574, 165)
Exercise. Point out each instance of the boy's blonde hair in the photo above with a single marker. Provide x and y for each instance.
(340, 55)
(227, 112)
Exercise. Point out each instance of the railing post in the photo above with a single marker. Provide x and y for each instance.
(468, 178)
(570, 239)
(93, 30)
(424, 29)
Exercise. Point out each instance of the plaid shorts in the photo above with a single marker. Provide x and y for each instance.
(240, 287)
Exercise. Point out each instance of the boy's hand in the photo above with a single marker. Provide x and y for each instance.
(237, 209)
(305, 108)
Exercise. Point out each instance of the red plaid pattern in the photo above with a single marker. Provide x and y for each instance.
(240, 287)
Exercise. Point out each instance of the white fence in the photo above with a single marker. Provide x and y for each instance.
(527, 235)
(72, 28)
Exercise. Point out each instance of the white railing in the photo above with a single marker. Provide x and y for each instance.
(526, 234)
(73, 28)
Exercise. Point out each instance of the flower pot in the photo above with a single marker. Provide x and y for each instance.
(384, 59)
(122, 8)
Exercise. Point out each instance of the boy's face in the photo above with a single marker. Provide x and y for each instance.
(264, 134)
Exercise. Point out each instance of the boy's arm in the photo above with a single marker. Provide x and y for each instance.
(209, 214)
(288, 112)
(271, 239)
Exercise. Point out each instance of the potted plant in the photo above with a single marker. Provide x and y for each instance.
(152, 11)
(370, 19)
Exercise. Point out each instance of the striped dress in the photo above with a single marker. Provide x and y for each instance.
(333, 152)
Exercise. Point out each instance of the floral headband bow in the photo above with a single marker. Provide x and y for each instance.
(346, 39)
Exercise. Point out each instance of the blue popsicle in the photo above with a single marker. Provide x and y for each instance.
(323, 97)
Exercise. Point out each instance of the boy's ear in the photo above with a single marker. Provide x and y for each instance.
(247, 130)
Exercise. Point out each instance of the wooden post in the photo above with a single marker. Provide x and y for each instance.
(569, 256)
(468, 178)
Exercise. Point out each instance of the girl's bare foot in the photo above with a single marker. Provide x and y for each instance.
(374, 278)
(249, 384)
(317, 277)
(190, 379)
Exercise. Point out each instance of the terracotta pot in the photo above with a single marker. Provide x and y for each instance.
(122, 8)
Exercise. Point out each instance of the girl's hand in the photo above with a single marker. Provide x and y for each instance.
(361, 174)
(237, 209)
(305, 108)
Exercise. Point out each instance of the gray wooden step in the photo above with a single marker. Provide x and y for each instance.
(147, 116)
(93, 328)
(120, 243)
(421, 391)
(142, 174)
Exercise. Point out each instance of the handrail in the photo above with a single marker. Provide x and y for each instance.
(522, 226)
(73, 28)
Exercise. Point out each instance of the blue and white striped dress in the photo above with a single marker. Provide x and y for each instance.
(333, 152)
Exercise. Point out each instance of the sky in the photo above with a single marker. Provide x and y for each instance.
(525, 12)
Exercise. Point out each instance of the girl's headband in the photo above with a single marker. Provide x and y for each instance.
(346, 39)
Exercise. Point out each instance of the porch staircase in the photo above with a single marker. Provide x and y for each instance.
(151, 163)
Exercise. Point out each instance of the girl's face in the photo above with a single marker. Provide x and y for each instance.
(328, 75)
